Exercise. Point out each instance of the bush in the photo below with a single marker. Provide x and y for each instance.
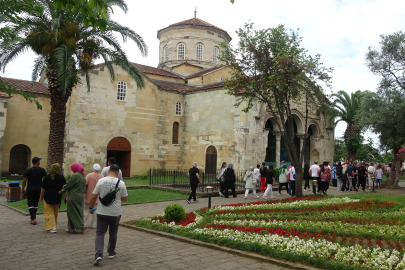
(276, 173)
(174, 212)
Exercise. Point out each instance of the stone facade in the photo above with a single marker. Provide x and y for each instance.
(170, 123)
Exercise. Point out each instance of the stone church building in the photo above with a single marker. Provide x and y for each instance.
(182, 115)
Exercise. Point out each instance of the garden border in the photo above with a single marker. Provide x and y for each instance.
(245, 254)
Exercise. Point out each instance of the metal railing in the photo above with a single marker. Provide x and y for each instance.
(179, 179)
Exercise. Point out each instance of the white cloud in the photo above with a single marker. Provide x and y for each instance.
(339, 30)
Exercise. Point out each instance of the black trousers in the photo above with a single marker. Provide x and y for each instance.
(221, 187)
(229, 185)
(362, 183)
(306, 182)
(193, 190)
(344, 182)
(292, 188)
(280, 185)
(33, 199)
(354, 183)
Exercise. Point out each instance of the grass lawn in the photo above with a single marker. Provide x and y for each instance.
(138, 195)
(137, 181)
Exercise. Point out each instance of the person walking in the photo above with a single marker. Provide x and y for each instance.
(362, 176)
(250, 182)
(314, 171)
(33, 178)
(51, 198)
(230, 180)
(263, 173)
(326, 176)
(75, 189)
(306, 177)
(91, 182)
(355, 173)
(270, 181)
(194, 176)
(370, 175)
(334, 177)
(378, 176)
(222, 180)
(111, 160)
(345, 177)
(282, 179)
(349, 181)
(339, 171)
(257, 174)
(291, 179)
(108, 217)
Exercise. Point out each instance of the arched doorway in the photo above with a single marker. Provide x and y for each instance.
(20, 159)
(307, 146)
(211, 160)
(120, 148)
(283, 150)
(271, 143)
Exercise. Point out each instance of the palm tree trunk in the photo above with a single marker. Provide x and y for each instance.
(57, 121)
(350, 132)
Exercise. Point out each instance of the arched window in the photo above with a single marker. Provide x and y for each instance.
(178, 108)
(175, 135)
(181, 49)
(166, 53)
(122, 90)
(199, 52)
(211, 160)
(215, 54)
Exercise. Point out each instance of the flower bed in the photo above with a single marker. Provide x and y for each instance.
(330, 233)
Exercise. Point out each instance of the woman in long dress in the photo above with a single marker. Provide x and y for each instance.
(250, 180)
(75, 189)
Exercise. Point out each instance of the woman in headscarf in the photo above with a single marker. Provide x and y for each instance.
(75, 189)
(270, 181)
(326, 176)
(250, 180)
(222, 184)
(51, 198)
(282, 179)
(230, 180)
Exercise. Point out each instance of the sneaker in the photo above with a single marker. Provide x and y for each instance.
(53, 230)
(305, 190)
(188, 201)
(245, 197)
(34, 222)
(220, 194)
(112, 256)
(97, 261)
(264, 198)
(196, 201)
(279, 194)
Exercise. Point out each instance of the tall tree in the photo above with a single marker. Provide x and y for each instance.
(271, 67)
(65, 46)
(340, 150)
(388, 62)
(344, 108)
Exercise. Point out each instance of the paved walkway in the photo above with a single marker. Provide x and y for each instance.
(24, 246)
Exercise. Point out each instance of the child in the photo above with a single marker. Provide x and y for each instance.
(378, 177)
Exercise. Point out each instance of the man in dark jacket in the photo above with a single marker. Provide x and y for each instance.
(194, 176)
(230, 180)
(362, 174)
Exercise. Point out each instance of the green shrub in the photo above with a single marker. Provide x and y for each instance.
(276, 173)
(174, 212)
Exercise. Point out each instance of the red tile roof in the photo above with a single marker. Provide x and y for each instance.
(155, 71)
(26, 86)
(179, 87)
(196, 21)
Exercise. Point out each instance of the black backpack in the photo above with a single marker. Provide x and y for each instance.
(109, 198)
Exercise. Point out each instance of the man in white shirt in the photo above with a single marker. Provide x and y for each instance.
(111, 160)
(108, 216)
(314, 171)
(370, 175)
(291, 179)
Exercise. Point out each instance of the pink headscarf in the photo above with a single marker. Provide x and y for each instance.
(76, 167)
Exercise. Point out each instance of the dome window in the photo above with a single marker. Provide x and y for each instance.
(166, 53)
(215, 54)
(181, 49)
(199, 52)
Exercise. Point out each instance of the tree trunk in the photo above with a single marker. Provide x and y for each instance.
(392, 181)
(57, 119)
(298, 181)
(350, 132)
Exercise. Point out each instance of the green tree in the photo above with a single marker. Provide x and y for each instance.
(344, 108)
(386, 118)
(340, 150)
(271, 67)
(65, 48)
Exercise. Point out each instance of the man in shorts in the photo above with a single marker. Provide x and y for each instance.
(314, 172)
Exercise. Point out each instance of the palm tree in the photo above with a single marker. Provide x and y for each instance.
(344, 108)
(65, 48)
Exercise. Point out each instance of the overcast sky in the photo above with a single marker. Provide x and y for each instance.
(339, 30)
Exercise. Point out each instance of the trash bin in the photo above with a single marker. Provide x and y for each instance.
(13, 192)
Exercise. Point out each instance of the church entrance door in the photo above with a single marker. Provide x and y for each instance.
(211, 160)
(120, 148)
(20, 159)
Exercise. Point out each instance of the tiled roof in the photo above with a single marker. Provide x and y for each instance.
(180, 87)
(187, 64)
(196, 21)
(26, 86)
(4, 95)
(155, 71)
(200, 73)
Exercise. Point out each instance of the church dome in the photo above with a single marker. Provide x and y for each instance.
(194, 40)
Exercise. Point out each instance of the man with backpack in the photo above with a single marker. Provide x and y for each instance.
(111, 191)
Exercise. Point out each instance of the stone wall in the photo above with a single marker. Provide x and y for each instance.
(3, 122)
(28, 126)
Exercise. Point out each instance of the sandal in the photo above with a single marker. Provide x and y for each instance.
(68, 231)
(83, 228)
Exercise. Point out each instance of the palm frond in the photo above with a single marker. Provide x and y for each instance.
(131, 34)
(8, 52)
(86, 74)
(118, 3)
(65, 65)
(38, 65)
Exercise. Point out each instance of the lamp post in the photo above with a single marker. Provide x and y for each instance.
(209, 191)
